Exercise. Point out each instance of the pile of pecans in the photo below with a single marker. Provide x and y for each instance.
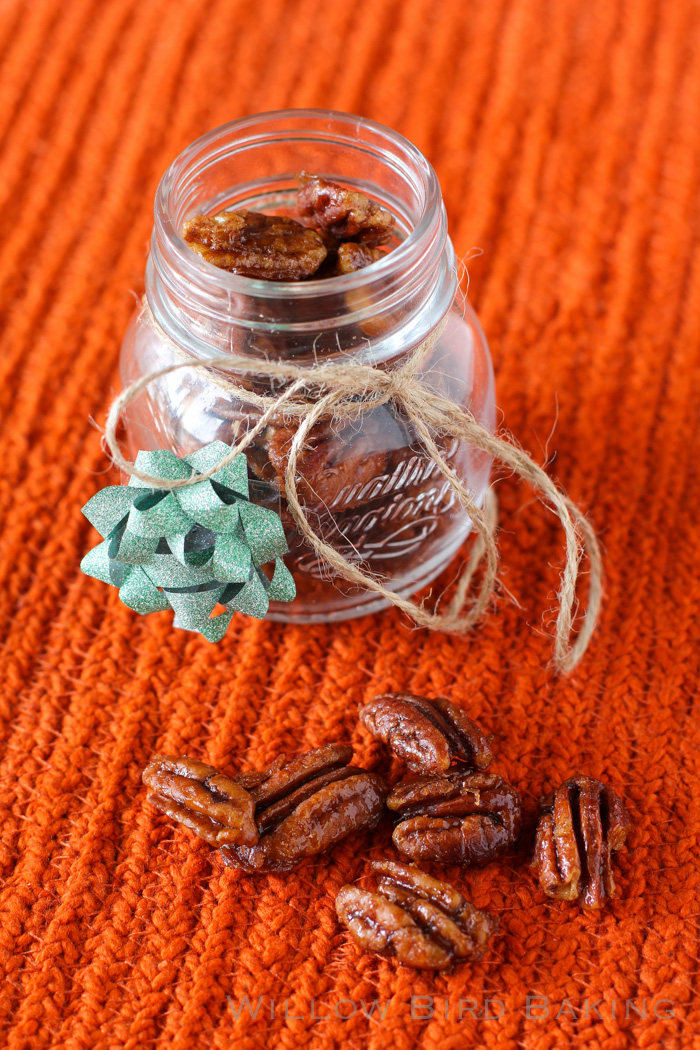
(448, 810)
(347, 229)
(270, 820)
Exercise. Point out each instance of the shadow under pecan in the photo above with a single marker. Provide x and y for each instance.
(426, 734)
(460, 817)
(421, 921)
(580, 825)
(213, 805)
(306, 806)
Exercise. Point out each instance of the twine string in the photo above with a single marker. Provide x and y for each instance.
(330, 390)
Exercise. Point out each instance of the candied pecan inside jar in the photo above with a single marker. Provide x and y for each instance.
(356, 489)
(306, 806)
(346, 257)
(426, 734)
(213, 805)
(458, 817)
(271, 247)
(334, 467)
(346, 214)
(580, 825)
(352, 256)
(421, 921)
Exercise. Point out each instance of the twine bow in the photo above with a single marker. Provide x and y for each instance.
(330, 390)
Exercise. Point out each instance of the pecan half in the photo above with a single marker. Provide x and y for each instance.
(273, 247)
(580, 825)
(346, 214)
(213, 805)
(352, 256)
(422, 921)
(307, 805)
(456, 818)
(426, 734)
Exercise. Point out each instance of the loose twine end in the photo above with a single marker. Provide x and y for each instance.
(326, 390)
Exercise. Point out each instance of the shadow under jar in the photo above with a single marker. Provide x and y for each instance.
(367, 486)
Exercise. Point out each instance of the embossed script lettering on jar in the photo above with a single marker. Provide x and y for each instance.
(398, 512)
(367, 485)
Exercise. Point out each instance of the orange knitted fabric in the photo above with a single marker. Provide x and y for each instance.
(564, 134)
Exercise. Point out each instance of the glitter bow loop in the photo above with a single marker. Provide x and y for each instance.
(191, 548)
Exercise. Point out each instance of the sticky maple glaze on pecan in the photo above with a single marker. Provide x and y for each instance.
(213, 805)
(306, 806)
(580, 825)
(422, 921)
(458, 817)
(426, 734)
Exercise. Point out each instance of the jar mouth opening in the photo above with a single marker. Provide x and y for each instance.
(380, 147)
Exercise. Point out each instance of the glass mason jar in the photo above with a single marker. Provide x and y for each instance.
(367, 487)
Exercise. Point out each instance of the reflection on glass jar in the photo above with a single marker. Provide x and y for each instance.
(367, 486)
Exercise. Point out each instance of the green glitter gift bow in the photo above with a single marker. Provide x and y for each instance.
(189, 548)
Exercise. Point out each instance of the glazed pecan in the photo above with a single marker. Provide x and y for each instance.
(346, 214)
(426, 734)
(423, 922)
(307, 805)
(580, 825)
(272, 247)
(213, 805)
(330, 464)
(456, 817)
(352, 256)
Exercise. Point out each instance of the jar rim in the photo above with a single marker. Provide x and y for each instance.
(407, 159)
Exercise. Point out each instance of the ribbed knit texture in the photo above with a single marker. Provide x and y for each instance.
(564, 134)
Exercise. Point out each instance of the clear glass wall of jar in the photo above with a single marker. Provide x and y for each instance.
(367, 487)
